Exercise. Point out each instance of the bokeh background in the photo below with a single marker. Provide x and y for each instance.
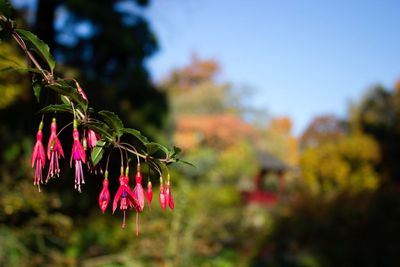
(290, 112)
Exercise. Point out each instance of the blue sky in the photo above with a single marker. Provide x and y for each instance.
(301, 57)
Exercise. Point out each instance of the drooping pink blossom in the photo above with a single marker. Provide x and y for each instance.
(125, 197)
(168, 196)
(92, 138)
(54, 152)
(104, 197)
(138, 190)
(149, 193)
(163, 202)
(79, 156)
(80, 91)
(38, 157)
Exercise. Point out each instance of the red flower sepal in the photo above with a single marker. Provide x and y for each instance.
(79, 156)
(54, 151)
(138, 190)
(125, 197)
(38, 157)
(104, 197)
(149, 193)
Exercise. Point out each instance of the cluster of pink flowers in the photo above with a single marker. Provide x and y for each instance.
(133, 199)
(126, 197)
(55, 152)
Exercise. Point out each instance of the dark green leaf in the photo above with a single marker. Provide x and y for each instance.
(57, 108)
(113, 121)
(136, 134)
(97, 154)
(37, 88)
(71, 92)
(153, 148)
(40, 47)
(102, 129)
(176, 150)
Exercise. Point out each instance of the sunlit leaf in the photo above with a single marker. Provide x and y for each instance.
(57, 108)
(37, 45)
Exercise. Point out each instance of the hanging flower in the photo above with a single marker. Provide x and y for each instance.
(92, 138)
(163, 203)
(138, 190)
(104, 197)
(168, 196)
(38, 157)
(54, 152)
(80, 91)
(125, 197)
(149, 193)
(79, 156)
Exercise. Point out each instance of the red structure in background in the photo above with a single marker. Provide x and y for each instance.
(268, 165)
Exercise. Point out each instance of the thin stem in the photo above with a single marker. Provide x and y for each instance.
(63, 128)
(121, 156)
(108, 158)
(22, 44)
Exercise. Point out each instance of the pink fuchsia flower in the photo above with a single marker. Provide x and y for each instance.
(104, 197)
(80, 91)
(79, 156)
(149, 193)
(162, 196)
(54, 152)
(138, 190)
(168, 196)
(92, 139)
(125, 197)
(38, 157)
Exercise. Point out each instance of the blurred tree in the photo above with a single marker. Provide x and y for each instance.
(378, 114)
(345, 165)
(322, 129)
(107, 43)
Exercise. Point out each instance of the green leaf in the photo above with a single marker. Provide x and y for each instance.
(102, 129)
(186, 162)
(97, 154)
(101, 143)
(136, 134)
(176, 150)
(57, 108)
(71, 92)
(37, 88)
(37, 45)
(153, 148)
(113, 121)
